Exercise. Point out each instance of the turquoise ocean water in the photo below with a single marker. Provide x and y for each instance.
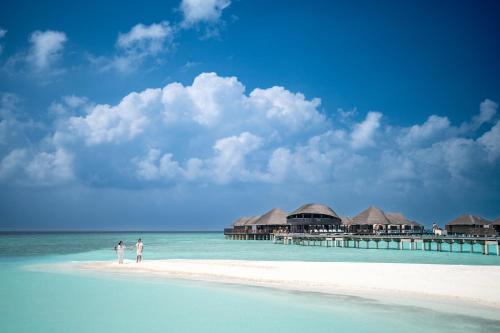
(39, 301)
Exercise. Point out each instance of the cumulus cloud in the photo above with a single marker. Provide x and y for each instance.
(202, 11)
(68, 104)
(434, 126)
(46, 48)
(135, 47)
(227, 164)
(363, 133)
(487, 111)
(212, 104)
(229, 160)
(214, 131)
(25, 167)
(491, 142)
(114, 124)
(294, 110)
(209, 99)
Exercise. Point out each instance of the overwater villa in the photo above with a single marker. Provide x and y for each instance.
(314, 218)
(316, 224)
(259, 227)
(375, 220)
(496, 226)
(317, 219)
(468, 224)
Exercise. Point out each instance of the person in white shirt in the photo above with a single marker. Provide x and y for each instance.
(120, 251)
(139, 246)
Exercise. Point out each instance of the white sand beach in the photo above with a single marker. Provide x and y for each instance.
(452, 284)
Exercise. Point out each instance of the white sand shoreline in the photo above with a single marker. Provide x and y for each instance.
(414, 284)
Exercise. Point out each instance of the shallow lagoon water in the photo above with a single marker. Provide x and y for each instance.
(63, 302)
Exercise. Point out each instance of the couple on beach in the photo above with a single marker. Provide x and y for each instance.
(120, 251)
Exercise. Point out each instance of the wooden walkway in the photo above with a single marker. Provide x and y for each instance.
(402, 242)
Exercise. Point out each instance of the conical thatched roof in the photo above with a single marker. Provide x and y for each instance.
(241, 221)
(398, 218)
(315, 209)
(245, 221)
(275, 216)
(346, 220)
(252, 220)
(371, 215)
(468, 219)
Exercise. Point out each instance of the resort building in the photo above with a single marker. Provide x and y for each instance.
(312, 218)
(438, 231)
(244, 224)
(400, 224)
(375, 220)
(259, 227)
(496, 226)
(470, 225)
(272, 221)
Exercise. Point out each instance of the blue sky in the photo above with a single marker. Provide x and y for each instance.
(184, 115)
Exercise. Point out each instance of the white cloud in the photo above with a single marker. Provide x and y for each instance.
(51, 168)
(433, 127)
(120, 123)
(491, 141)
(68, 104)
(294, 110)
(208, 100)
(363, 133)
(212, 104)
(228, 163)
(154, 166)
(202, 11)
(12, 162)
(212, 131)
(145, 38)
(230, 153)
(46, 48)
(487, 111)
(42, 168)
(135, 47)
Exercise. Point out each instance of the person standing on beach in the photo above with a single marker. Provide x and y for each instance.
(139, 246)
(120, 251)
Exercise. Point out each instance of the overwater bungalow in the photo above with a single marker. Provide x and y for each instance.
(371, 220)
(272, 221)
(496, 226)
(244, 224)
(311, 218)
(404, 225)
(375, 220)
(468, 224)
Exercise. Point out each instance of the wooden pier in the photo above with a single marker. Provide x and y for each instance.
(239, 235)
(397, 242)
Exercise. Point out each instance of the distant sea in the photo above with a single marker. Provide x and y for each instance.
(38, 301)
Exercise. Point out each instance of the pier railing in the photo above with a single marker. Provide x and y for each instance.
(424, 242)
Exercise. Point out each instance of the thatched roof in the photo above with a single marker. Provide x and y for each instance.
(315, 209)
(398, 218)
(245, 221)
(371, 215)
(241, 221)
(252, 220)
(346, 220)
(468, 219)
(275, 216)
